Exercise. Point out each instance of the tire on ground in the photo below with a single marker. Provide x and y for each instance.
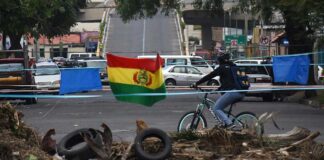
(152, 132)
(72, 146)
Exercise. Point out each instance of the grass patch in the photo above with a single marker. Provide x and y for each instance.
(319, 97)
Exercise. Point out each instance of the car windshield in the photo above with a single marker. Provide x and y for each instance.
(176, 61)
(97, 64)
(254, 69)
(11, 67)
(199, 62)
(47, 70)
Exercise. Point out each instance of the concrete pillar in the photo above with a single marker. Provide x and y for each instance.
(206, 36)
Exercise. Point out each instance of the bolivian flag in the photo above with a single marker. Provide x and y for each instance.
(131, 77)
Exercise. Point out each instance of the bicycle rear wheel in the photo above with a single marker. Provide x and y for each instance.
(249, 122)
(190, 120)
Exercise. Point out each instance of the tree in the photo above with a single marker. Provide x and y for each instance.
(37, 17)
(132, 10)
(302, 18)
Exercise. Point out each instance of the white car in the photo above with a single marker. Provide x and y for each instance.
(249, 61)
(185, 75)
(47, 75)
(320, 73)
(97, 63)
(197, 61)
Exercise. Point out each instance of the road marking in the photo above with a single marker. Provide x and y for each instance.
(120, 130)
(49, 111)
(144, 30)
(178, 32)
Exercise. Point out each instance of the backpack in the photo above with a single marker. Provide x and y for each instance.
(241, 80)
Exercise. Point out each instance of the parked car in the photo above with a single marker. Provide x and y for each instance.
(97, 63)
(196, 61)
(320, 73)
(72, 56)
(249, 61)
(59, 61)
(257, 74)
(185, 75)
(47, 75)
(14, 76)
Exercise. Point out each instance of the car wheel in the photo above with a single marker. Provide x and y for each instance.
(170, 82)
(213, 83)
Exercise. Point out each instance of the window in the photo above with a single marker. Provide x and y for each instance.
(192, 70)
(11, 67)
(253, 69)
(97, 64)
(179, 70)
(176, 61)
(84, 55)
(42, 52)
(199, 62)
(47, 70)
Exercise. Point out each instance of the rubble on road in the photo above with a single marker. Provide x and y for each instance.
(19, 141)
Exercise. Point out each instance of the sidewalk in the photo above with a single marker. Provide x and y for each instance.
(316, 102)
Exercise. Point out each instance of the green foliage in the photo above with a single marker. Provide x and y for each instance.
(302, 18)
(132, 10)
(214, 6)
(38, 17)
(195, 39)
(182, 25)
(101, 30)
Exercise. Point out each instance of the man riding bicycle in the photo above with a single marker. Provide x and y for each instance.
(227, 83)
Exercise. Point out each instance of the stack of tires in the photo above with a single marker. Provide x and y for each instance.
(73, 147)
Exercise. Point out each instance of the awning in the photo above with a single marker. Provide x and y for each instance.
(277, 37)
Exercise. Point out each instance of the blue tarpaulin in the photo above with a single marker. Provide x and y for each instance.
(291, 68)
(78, 80)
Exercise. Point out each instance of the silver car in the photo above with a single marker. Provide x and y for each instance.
(185, 75)
(256, 73)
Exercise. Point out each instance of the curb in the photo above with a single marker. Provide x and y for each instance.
(312, 103)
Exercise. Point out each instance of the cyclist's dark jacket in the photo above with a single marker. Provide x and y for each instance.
(226, 76)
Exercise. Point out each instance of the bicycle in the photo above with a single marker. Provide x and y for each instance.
(196, 119)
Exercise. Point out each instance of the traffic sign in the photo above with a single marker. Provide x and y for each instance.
(264, 40)
(238, 40)
(233, 42)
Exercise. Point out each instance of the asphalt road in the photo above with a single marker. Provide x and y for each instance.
(143, 37)
(66, 115)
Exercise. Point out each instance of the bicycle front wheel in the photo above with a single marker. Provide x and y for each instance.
(249, 122)
(192, 121)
